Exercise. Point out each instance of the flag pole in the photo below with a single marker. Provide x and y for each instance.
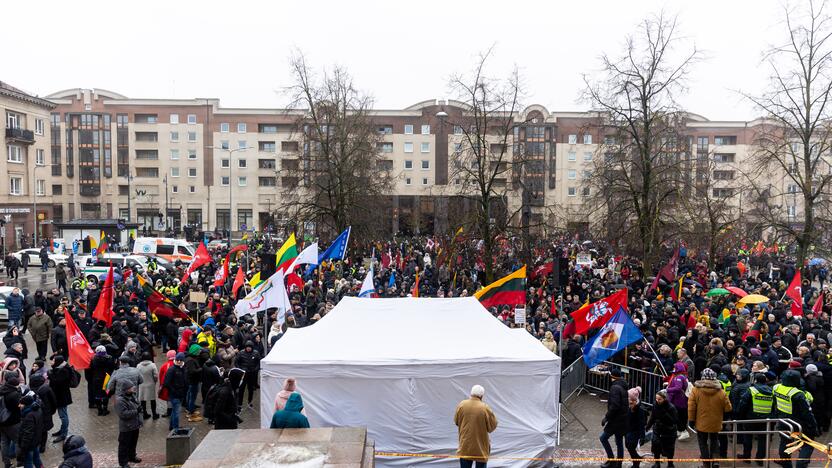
(658, 361)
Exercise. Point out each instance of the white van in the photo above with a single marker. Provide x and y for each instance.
(167, 248)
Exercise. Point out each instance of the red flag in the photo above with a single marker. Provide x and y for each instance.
(554, 309)
(80, 354)
(544, 270)
(201, 257)
(668, 272)
(818, 307)
(598, 313)
(104, 308)
(795, 292)
(292, 279)
(239, 280)
(222, 274)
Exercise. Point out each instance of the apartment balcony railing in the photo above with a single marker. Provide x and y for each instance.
(20, 135)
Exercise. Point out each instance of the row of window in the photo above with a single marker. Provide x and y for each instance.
(174, 137)
(15, 154)
(409, 181)
(16, 186)
(408, 129)
(387, 147)
(154, 118)
(701, 142)
(408, 164)
(17, 120)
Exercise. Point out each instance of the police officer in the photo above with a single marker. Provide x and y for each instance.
(757, 403)
(790, 403)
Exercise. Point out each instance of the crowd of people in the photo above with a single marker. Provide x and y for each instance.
(205, 368)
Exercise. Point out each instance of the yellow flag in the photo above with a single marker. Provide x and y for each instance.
(255, 280)
(459, 231)
(106, 381)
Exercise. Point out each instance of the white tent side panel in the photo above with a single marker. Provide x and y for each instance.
(407, 402)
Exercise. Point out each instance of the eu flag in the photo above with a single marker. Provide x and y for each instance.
(337, 250)
(618, 333)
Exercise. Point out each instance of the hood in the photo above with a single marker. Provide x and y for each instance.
(679, 368)
(9, 360)
(209, 322)
(194, 350)
(36, 380)
(74, 442)
(289, 385)
(294, 404)
(186, 335)
(790, 378)
(709, 386)
(235, 377)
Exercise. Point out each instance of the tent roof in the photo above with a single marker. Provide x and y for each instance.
(362, 331)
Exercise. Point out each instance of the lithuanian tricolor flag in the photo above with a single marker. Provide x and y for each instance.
(288, 252)
(725, 316)
(508, 290)
(102, 244)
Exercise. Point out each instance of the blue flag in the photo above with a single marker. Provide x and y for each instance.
(618, 333)
(336, 251)
(392, 281)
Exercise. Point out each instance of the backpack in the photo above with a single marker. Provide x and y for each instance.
(5, 414)
(74, 378)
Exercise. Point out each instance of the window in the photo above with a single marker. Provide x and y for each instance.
(267, 181)
(241, 127)
(267, 128)
(723, 192)
(725, 140)
(242, 181)
(15, 153)
(174, 154)
(792, 188)
(572, 156)
(241, 163)
(385, 147)
(724, 157)
(242, 144)
(224, 127)
(174, 136)
(384, 165)
(15, 185)
(147, 172)
(224, 144)
(191, 172)
(610, 140)
(123, 190)
(174, 118)
(174, 172)
(224, 180)
(385, 129)
(38, 126)
(289, 146)
(573, 139)
(407, 181)
(791, 211)
(588, 156)
(426, 147)
(425, 164)
(191, 137)
(59, 190)
(174, 189)
(40, 187)
(408, 129)
(191, 154)
(147, 118)
(571, 191)
(245, 219)
(457, 130)
(587, 139)
(425, 129)
(13, 120)
(585, 191)
(424, 180)
(408, 147)
(457, 148)
(408, 164)
(225, 163)
(571, 174)
(723, 175)
(266, 164)
(40, 159)
(191, 119)
(192, 188)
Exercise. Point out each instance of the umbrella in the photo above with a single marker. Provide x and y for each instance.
(817, 261)
(754, 299)
(692, 282)
(718, 292)
(739, 292)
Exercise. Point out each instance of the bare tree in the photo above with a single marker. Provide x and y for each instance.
(485, 161)
(341, 178)
(796, 138)
(645, 151)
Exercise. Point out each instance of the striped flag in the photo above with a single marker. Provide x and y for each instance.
(508, 290)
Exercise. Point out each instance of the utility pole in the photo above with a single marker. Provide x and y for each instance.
(166, 204)
(129, 196)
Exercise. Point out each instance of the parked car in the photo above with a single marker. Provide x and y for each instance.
(4, 292)
(34, 257)
(95, 267)
(216, 244)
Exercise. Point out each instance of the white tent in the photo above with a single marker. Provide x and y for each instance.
(400, 367)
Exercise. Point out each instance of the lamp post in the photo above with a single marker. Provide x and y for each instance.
(230, 208)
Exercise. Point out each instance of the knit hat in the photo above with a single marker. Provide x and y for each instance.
(756, 352)
(180, 357)
(795, 365)
(811, 369)
(170, 354)
(634, 394)
(708, 374)
(663, 393)
(100, 349)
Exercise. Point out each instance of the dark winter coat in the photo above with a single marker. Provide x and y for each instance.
(663, 420)
(210, 377)
(225, 409)
(48, 404)
(31, 428)
(129, 414)
(14, 304)
(40, 326)
(248, 361)
(176, 381)
(11, 398)
(615, 420)
(59, 341)
(76, 454)
(100, 366)
(59, 378)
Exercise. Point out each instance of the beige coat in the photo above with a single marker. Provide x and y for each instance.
(707, 404)
(475, 421)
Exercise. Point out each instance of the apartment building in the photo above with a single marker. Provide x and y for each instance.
(170, 163)
(26, 197)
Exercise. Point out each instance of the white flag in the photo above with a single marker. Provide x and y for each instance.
(367, 288)
(309, 255)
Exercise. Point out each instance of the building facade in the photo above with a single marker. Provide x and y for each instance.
(166, 164)
(26, 196)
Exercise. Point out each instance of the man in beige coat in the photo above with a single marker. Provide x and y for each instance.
(706, 406)
(475, 421)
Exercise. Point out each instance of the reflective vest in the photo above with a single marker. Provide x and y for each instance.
(727, 387)
(783, 397)
(809, 397)
(760, 402)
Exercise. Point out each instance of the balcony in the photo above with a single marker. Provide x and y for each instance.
(20, 135)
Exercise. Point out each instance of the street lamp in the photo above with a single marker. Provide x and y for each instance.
(230, 206)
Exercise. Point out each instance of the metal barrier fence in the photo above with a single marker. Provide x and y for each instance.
(572, 380)
(751, 428)
(650, 383)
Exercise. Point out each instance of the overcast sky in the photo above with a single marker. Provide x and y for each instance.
(401, 52)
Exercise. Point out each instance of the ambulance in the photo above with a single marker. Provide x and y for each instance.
(167, 248)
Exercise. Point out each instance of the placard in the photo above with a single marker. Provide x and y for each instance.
(520, 315)
(583, 258)
(198, 296)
